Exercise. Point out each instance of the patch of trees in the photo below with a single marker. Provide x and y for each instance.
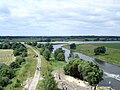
(49, 82)
(6, 73)
(84, 70)
(71, 55)
(59, 54)
(17, 63)
(99, 50)
(46, 49)
(73, 46)
(19, 49)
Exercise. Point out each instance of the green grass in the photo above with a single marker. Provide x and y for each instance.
(6, 56)
(112, 54)
(55, 64)
(112, 45)
(26, 71)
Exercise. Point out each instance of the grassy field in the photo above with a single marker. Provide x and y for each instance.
(6, 56)
(26, 71)
(55, 64)
(112, 54)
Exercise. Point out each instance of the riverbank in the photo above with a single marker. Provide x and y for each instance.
(111, 55)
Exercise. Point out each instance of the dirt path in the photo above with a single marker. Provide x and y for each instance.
(66, 82)
(32, 83)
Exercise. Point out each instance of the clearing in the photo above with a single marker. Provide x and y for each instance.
(6, 56)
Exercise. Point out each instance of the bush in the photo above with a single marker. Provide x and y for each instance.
(20, 60)
(99, 50)
(14, 65)
(72, 46)
(17, 83)
(4, 81)
(46, 54)
(59, 54)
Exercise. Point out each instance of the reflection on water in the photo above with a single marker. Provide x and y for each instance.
(99, 61)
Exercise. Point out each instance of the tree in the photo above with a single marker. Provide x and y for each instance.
(61, 57)
(6, 73)
(14, 65)
(84, 70)
(47, 54)
(48, 40)
(99, 50)
(73, 46)
(24, 54)
(59, 54)
(49, 82)
(34, 43)
(20, 60)
(4, 81)
(39, 45)
(16, 52)
(71, 55)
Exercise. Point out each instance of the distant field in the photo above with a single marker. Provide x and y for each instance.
(112, 54)
(6, 56)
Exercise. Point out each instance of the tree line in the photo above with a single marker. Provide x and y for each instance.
(19, 49)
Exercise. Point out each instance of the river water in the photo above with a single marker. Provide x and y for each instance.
(111, 75)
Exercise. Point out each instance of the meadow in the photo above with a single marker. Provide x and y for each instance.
(112, 54)
(6, 56)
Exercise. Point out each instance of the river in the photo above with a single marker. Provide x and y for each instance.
(111, 75)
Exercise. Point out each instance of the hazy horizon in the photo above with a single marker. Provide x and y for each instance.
(60, 18)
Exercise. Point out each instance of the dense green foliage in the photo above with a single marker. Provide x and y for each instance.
(72, 46)
(19, 49)
(59, 54)
(49, 82)
(84, 70)
(46, 50)
(17, 63)
(99, 50)
(47, 54)
(6, 73)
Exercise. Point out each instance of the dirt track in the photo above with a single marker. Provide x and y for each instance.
(66, 82)
(31, 83)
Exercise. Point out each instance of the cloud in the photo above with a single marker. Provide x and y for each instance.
(60, 17)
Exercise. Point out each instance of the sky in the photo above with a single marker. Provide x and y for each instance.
(59, 17)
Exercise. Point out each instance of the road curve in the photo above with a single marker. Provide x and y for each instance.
(36, 77)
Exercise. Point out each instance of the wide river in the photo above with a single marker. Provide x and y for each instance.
(111, 75)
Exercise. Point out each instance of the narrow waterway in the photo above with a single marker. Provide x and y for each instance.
(111, 72)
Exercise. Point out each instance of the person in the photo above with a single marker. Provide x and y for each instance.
(40, 68)
(59, 77)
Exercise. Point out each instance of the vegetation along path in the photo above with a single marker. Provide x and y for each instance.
(36, 77)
